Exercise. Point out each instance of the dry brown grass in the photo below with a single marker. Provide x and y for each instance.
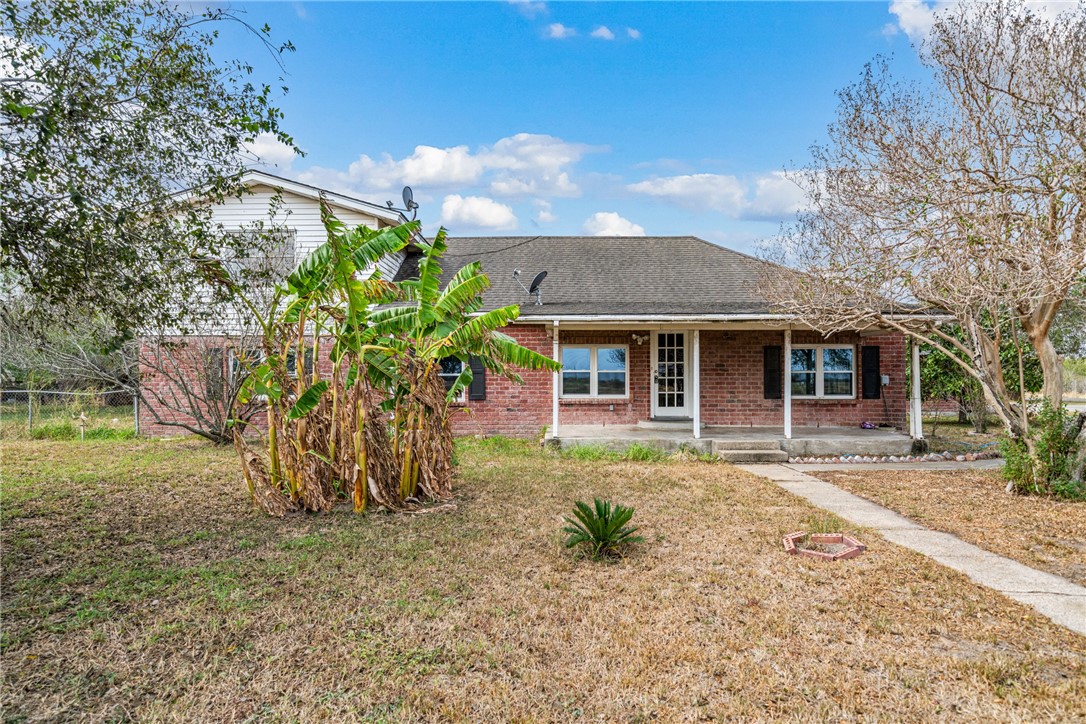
(1046, 533)
(138, 583)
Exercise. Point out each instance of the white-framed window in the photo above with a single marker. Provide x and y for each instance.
(292, 362)
(214, 373)
(243, 361)
(823, 370)
(266, 254)
(451, 368)
(595, 370)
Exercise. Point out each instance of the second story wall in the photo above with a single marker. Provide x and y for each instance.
(299, 213)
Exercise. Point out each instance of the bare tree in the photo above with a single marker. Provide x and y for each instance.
(189, 380)
(962, 197)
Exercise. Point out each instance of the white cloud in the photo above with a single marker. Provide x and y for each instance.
(544, 211)
(477, 212)
(529, 8)
(426, 166)
(775, 196)
(916, 17)
(557, 31)
(770, 196)
(270, 151)
(609, 223)
(700, 191)
(524, 164)
(603, 33)
(633, 33)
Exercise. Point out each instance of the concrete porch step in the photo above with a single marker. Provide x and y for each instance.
(719, 445)
(666, 424)
(752, 456)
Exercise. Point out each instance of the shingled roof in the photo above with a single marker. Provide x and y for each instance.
(610, 275)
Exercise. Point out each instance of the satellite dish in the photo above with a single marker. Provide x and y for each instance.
(534, 288)
(409, 204)
(536, 282)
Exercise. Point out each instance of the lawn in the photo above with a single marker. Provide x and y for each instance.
(945, 434)
(139, 584)
(58, 419)
(1046, 533)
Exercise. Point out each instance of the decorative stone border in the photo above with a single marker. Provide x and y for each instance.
(853, 547)
(929, 458)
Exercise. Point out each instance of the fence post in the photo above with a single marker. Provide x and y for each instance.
(136, 411)
(29, 410)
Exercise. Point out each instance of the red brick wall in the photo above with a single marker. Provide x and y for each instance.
(162, 385)
(732, 382)
(512, 409)
(731, 386)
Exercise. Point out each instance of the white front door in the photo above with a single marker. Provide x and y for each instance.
(670, 378)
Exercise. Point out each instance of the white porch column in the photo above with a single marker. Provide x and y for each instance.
(915, 419)
(788, 384)
(554, 385)
(697, 384)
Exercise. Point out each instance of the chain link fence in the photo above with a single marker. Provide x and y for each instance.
(78, 415)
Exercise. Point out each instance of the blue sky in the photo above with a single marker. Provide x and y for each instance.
(572, 118)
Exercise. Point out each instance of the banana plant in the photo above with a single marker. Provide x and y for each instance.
(373, 427)
(437, 323)
(327, 296)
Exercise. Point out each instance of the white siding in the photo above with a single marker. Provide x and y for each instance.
(300, 213)
(295, 212)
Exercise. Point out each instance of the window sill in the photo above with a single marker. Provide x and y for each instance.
(823, 399)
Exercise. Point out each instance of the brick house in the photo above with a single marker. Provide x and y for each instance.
(667, 329)
(664, 330)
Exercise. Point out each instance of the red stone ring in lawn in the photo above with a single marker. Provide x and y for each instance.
(824, 546)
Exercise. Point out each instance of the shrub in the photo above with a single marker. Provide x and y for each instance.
(643, 453)
(602, 530)
(1053, 432)
(825, 523)
(593, 451)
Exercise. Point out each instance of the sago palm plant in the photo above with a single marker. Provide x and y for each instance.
(603, 530)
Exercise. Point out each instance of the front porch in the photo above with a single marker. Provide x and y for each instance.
(734, 384)
(741, 444)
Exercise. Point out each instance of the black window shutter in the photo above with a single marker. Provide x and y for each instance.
(872, 375)
(477, 388)
(773, 370)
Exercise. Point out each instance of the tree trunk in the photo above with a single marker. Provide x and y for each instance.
(1052, 368)
(1078, 467)
(1036, 325)
(989, 369)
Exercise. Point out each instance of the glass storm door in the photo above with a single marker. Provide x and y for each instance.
(669, 376)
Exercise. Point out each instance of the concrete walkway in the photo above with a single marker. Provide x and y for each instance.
(1057, 598)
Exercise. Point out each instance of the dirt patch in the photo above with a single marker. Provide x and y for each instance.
(1046, 533)
(139, 584)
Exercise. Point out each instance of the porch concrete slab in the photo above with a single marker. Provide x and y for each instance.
(671, 435)
(1061, 600)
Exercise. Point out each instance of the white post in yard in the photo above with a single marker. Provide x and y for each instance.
(556, 380)
(788, 384)
(917, 420)
(697, 385)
